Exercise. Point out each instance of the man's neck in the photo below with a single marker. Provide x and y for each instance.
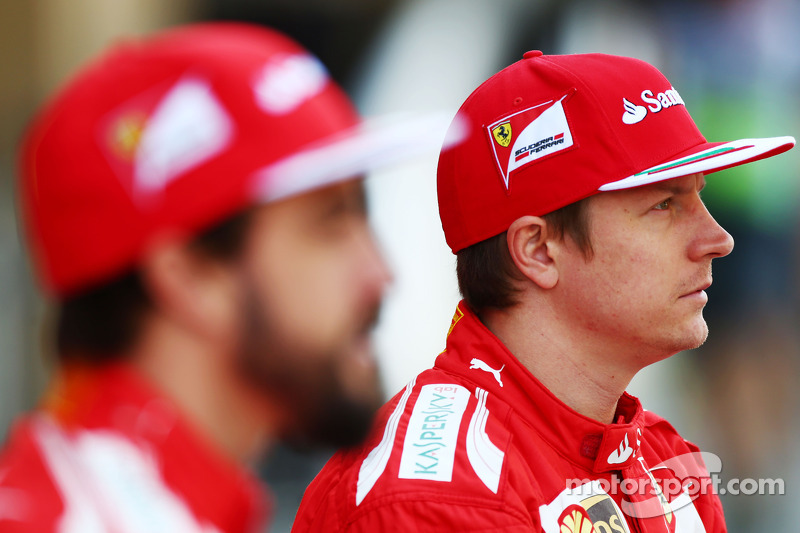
(588, 378)
(198, 381)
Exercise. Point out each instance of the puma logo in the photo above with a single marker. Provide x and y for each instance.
(480, 365)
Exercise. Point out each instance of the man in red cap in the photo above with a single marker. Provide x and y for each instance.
(194, 207)
(583, 255)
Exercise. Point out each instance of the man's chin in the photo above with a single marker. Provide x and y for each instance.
(337, 423)
(694, 337)
(699, 332)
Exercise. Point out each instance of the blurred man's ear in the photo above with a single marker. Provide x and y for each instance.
(533, 250)
(193, 291)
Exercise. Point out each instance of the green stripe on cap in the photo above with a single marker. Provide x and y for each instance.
(685, 160)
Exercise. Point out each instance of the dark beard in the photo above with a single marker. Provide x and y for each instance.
(324, 414)
(339, 422)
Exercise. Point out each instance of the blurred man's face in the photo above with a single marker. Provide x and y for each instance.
(313, 281)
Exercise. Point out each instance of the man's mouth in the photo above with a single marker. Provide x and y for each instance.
(699, 290)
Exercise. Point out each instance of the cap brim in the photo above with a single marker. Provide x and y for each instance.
(706, 158)
(371, 145)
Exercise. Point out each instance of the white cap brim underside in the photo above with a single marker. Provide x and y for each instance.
(370, 146)
(721, 156)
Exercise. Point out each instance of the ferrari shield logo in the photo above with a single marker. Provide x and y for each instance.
(125, 135)
(502, 134)
(540, 132)
(456, 317)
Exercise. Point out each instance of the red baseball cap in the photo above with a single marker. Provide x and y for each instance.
(548, 131)
(176, 132)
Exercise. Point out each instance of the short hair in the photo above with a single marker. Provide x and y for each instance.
(99, 324)
(486, 272)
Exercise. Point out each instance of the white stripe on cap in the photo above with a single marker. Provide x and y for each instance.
(721, 156)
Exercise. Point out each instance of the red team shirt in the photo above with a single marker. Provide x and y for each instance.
(108, 455)
(477, 443)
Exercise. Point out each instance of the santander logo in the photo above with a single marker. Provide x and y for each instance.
(634, 113)
(621, 454)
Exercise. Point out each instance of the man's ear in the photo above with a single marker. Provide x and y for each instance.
(193, 291)
(533, 250)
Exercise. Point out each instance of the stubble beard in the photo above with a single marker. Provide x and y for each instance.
(307, 383)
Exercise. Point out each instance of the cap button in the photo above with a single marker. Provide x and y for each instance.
(531, 54)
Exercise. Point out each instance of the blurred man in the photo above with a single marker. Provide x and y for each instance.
(193, 205)
(583, 255)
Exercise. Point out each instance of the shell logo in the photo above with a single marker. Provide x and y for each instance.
(575, 519)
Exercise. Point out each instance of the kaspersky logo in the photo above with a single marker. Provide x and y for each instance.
(634, 113)
(430, 442)
(528, 136)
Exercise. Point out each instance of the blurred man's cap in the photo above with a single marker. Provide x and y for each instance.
(179, 131)
(548, 131)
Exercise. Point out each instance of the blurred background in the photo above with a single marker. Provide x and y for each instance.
(736, 65)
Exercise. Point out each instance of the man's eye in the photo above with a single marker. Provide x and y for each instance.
(662, 206)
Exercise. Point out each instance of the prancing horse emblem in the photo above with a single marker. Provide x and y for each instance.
(502, 134)
(480, 365)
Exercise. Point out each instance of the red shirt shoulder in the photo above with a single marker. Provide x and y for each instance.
(29, 499)
(416, 469)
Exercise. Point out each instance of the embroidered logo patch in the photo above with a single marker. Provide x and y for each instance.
(189, 127)
(459, 314)
(502, 134)
(584, 508)
(575, 519)
(163, 133)
(543, 131)
(604, 513)
(634, 113)
(622, 453)
(125, 134)
(478, 364)
(432, 436)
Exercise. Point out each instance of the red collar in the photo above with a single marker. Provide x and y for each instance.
(588, 443)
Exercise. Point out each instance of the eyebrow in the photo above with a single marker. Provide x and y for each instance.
(673, 187)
